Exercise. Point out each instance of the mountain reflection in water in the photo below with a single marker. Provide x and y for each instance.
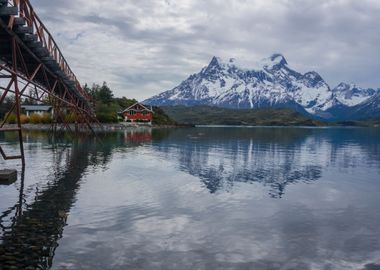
(286, 233)
(274, 157)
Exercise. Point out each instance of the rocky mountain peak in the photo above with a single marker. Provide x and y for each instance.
(278, 59)
(268, 83)
(344, 87)
(275, 61)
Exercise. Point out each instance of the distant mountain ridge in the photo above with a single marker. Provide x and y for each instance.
(270, 84)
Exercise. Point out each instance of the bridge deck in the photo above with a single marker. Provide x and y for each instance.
(34, 52)
(31, 60)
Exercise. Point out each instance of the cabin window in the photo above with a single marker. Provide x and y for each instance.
(132, 112)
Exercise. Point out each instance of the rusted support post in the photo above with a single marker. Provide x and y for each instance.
(17, 98)
(24, 67)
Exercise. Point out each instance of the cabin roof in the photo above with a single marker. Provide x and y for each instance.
(36, 107)
(137, 103)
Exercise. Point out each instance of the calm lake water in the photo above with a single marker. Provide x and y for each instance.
(200, 198)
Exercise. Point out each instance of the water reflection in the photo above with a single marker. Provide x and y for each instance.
(273, 157)
(31, 239)
(30, 231)
(171, 228)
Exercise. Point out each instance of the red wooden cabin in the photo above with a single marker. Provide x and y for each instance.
(138, 113)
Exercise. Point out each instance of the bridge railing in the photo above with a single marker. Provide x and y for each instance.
(26, 11)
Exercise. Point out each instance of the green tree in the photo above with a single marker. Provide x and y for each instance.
(87, 89)
(105, 106)
(6, 105)
(108, 106)
(124, 102)
(103, 93)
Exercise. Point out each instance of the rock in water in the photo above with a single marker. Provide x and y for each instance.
(8, 176)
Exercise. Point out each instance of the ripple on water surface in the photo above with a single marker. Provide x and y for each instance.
(202, 198)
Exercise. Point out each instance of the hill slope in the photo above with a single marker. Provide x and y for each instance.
(205, 115)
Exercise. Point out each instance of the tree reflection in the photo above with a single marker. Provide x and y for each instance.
(220, 158)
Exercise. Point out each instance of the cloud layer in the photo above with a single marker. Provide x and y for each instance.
(142, 47)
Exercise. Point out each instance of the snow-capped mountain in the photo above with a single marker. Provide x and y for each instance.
(269, 83)
(367, 109)
(352, 102)
(351, 95)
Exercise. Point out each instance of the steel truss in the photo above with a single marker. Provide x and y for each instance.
(33, 67)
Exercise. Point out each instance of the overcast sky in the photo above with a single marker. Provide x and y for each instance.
(143, 47)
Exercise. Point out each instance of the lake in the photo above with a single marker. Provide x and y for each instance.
(194, 198)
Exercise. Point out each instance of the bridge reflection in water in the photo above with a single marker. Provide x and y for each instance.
(31, 238)
(31, 229)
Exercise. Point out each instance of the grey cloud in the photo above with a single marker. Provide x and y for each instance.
(144, 47)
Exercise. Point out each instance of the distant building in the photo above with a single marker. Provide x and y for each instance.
(138, 113)
(37, 109)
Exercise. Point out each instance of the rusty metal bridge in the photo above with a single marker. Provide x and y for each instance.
(32, 66)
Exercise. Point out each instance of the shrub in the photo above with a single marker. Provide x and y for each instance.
(46, 118)
(35, 118)
(24, 119)
(12, 119)
(71, 118)
(107, 117)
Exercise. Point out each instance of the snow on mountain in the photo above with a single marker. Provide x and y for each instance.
(367, 109)
(268, 83)
(351, 95)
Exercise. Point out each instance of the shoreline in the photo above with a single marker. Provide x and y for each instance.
(137, 127)
(105, 127)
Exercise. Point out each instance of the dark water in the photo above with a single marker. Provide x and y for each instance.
(204, 198)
